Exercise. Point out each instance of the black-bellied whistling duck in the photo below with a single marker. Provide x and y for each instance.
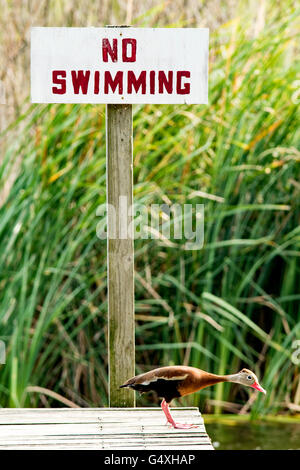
(178, 381)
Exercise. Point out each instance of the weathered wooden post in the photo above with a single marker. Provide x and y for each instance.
(120, 253)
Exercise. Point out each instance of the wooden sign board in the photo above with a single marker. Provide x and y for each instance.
(119, 65)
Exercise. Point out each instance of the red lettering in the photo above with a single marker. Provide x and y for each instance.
(80, 80)
(186, 87)
(107, 49)
(164, 82)
(96, 82)
(125, 56)
(113, 83)
(152, 82)
(132, 81)
(59, 81)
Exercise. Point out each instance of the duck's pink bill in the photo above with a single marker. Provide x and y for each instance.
(258, 387)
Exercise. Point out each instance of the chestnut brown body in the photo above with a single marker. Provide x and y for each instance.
(173, 381)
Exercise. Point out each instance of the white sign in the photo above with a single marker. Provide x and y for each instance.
(119, 65)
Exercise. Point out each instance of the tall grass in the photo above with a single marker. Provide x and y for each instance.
(232, 304)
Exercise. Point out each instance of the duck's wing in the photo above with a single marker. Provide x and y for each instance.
(176, 373)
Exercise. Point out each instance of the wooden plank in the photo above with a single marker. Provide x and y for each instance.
(101, 428)
(91, 428)
(112, 438)
(61, 415)
(92, 446)
(73, 411)
(120, 253)
(114, 410)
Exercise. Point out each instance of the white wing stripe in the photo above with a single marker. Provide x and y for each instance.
(154, 379)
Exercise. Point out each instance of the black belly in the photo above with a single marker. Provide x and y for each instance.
(167, 389)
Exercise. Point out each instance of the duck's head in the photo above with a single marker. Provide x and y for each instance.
(248, 378)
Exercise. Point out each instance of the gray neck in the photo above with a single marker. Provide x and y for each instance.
(232, 378)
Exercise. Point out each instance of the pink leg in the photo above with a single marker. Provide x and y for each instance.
(166, 410)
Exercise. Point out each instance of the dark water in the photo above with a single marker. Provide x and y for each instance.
(260, 436)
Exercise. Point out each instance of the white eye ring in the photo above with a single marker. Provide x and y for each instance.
(249, 377)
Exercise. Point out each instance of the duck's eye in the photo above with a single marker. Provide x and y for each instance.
(249, 377)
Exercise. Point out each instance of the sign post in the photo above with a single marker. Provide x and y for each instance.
(120, 253)
(119, 66)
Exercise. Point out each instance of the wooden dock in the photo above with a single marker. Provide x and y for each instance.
(100, 428)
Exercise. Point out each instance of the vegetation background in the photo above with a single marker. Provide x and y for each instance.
(234, 303)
